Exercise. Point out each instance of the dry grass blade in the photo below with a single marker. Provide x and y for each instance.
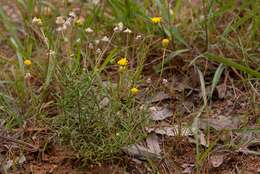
(30, 147)
(202, 86)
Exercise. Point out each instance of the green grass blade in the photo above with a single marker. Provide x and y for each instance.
(229, 62)
(216, 78)
(168, 59)
(108, 59)
(50, 71)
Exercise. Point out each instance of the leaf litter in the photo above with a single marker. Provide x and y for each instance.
(141, 152)
(158, 97)
(220, 122)
(153, 144)
(217, 160)
(158, 113)
(171, 130)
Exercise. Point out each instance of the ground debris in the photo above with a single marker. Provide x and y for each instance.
(152, 142)
(157, 97)
(220, 122)
(141, 152)
(158, 113)
(171, 130)
(216, 160)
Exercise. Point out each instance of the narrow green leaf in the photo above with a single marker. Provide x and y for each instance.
(51, 66)
(108, 59)
(177, 35)
(168, 59)
(216, 77)
(229, 62)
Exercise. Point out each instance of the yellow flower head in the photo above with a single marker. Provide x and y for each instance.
(123, 62)
(27, 62)
(165, 43)
(37, 21)
(80, 21)
(156, 20)
(134, 90)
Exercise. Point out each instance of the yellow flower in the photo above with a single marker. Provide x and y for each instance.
(37, 21)
(80, 21)
(123, 62)
(27, 62)
(122, 68)
(156, 20)
(134, 90)
(165, 43)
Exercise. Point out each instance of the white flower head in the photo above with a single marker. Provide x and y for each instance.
(116, 29)
(98, 51)
(164, 81)
(105, 39)
(72, 14)
(37, 21)
(171, 11)
(202, 17)
(127, 31)
(89, 30)
(97, 42)
(67, 23)
(153, 108)
(119, 27)
(62, 28)
(142, 107)
(66, 39)
(95, 2)
(90, 46)
(51, 52)
(34, 19)
(138, 37)
(59, 29)
(149, 80)
(78, 40)
(60, 20)
(27, 75)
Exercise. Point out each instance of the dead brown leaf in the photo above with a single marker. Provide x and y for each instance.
(104, 102)
(174, 130)
(160, 113)
(157, 97)
(222, 90)
(217, 160)
(188, 168)
(220, 122)
(152, 142)
(140, 152)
